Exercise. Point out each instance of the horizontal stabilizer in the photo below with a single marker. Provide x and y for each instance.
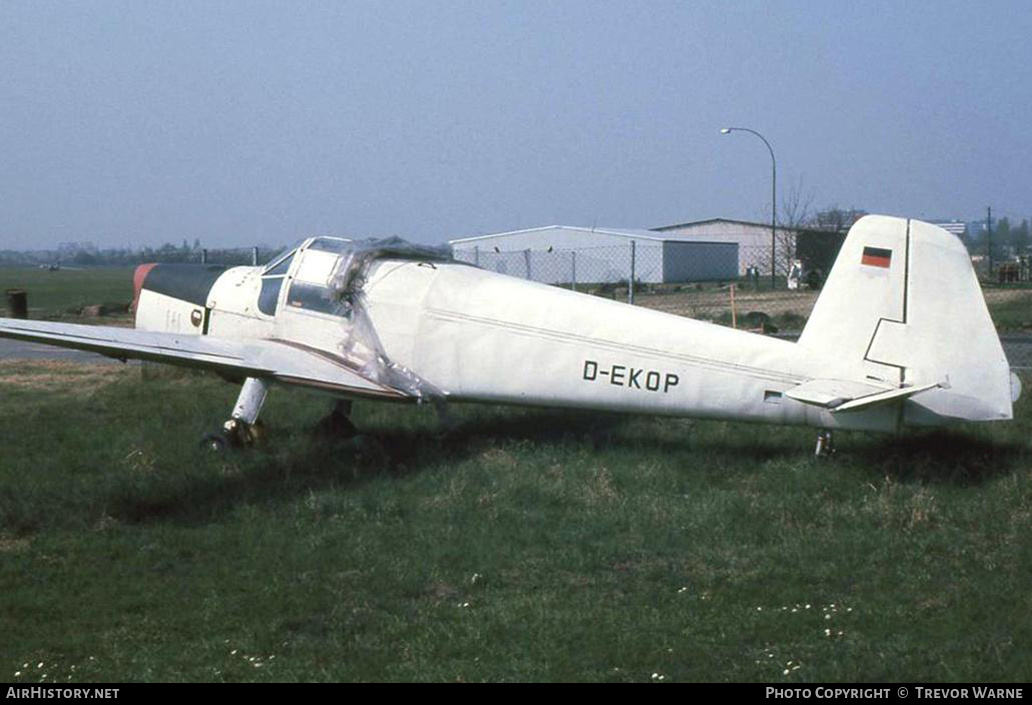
(831, 393)
(881, 398)
(842, 395)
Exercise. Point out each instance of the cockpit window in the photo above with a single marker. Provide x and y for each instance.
(312, 297)
(281, 267)
(331, 244)
(277, 262)
(269, 295)
(272, 282)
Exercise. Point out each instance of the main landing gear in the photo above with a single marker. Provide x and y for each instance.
(243, 427)
(338, 422)
(825, 447)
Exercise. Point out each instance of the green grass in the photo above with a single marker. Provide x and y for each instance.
(525, 545)
(1010, 306)
(52, 294)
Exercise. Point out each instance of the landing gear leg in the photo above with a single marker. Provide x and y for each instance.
(825, 447)
(243, 428)
(446, 423)
(338, 423)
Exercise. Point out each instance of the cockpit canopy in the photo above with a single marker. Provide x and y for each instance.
(324, 258)
(308, 291)
(281, 260)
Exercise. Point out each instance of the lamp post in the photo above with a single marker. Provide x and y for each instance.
(773, 193)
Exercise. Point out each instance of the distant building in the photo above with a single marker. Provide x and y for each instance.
(817, 247)
(753, 240)
(956, 227)
(563, 254)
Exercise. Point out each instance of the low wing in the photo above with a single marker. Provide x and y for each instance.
(268, 359)
(842, 395)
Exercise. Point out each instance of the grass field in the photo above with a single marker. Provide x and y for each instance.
(52, 294)
(525, 545)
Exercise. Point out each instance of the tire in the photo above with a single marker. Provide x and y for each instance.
(214, 442)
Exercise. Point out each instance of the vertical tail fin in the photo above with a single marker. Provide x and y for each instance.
(902, 305)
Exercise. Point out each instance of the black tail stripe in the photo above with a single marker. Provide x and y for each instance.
(186, 282)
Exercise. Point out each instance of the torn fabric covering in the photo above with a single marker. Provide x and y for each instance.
(361, 346)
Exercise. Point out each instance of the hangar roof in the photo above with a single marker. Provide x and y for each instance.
(709, 221)
(629, 233)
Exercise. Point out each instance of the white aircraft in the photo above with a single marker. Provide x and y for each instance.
(900, 336)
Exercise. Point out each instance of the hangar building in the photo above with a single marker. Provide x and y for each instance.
(563, 254)
(753, 240)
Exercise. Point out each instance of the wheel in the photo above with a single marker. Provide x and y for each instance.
(215, 442)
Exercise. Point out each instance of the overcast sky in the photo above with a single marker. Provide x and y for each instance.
(238, 123)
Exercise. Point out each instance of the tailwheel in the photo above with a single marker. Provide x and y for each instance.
(825, 446)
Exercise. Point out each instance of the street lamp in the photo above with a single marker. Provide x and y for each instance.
(773, 193)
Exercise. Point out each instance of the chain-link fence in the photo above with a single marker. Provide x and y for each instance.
(702, 284)
(585, 268)
(715, 281)
(236, 256)
(618, 271)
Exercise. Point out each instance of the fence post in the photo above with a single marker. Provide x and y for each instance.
(476, 255)
(204, 256)
(254, 256)
(526, 256)
(630, 284)
(573, 268)
(734, 314)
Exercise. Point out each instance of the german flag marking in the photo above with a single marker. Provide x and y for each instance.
(876, 257)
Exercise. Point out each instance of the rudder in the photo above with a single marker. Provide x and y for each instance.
(903, 306)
